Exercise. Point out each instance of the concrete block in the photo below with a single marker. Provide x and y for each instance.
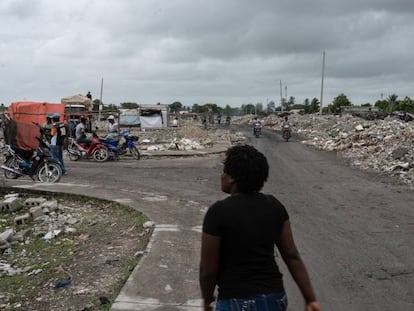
(6, 235)
(34, 202)
(10, 204)
(21, 220)
(50, 205)
(36, 211)
(4, 246)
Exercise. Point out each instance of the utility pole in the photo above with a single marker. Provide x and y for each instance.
(100, 102)
(323, 74)
(281, 97)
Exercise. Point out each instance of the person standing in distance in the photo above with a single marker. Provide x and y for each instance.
(58, 133)
(238, 241)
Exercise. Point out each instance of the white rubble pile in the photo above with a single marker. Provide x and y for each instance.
(386, 146)
(186, 137)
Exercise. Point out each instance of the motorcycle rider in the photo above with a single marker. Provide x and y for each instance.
(80, 133)
(285, 122)
(113, 128)
(257, 125)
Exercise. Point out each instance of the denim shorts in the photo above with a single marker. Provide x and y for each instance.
(271, 302)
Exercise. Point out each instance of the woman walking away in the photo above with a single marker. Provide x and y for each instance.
(238, 240)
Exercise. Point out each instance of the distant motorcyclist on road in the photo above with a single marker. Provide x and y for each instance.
(285, 122)
(257, 126)
(286, 128)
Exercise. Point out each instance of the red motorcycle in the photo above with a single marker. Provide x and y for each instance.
(96, 150)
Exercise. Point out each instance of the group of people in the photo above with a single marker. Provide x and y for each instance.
(55, 133)
(80, 130)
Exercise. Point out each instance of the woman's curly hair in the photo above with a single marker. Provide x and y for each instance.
(247, 166)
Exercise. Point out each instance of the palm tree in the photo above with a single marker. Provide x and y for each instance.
(392, 102)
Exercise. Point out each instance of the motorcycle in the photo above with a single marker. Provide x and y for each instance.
(38, 164)
(127, 143)
(286, 133)
(96, 150)
(257, 129)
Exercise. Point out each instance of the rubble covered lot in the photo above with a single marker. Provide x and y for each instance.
(66, 253)
(385, 146)
(190, 135)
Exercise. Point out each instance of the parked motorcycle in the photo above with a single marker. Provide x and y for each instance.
(286, 132)
(127, 143)
(37, 164)
(96, 150)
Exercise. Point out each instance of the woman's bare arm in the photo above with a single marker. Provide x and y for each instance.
(297, 269)
(209, 265)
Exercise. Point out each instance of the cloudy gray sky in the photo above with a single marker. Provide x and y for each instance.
(196, 51)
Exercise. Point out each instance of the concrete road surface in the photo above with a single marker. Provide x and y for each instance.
(354, 229)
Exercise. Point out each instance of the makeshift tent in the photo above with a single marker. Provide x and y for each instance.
(76, 100)
(147, 116)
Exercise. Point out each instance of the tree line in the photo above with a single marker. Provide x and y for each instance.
(388, 105)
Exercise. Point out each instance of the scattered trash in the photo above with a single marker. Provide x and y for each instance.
(4, 266)
(111, 261)
(63, 283)
(104, 300)
(51, 234)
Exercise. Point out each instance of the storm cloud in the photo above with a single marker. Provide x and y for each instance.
(230, 52)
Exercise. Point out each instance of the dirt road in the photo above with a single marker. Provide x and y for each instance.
(354, 229)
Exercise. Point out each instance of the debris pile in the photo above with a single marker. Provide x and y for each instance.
(51, 220)
(185, 137)
(385, 146)
(72, 247)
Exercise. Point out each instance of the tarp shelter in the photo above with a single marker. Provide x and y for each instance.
(148, 116)
(154, 121)
(129, 117)
(76, 100)
(20, 134)
(20, 127)
(29, 112)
